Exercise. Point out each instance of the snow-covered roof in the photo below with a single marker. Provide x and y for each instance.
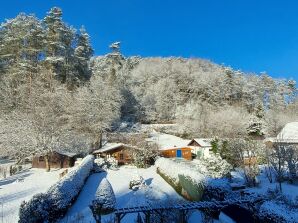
(108, 147)
(167, 141)
(289, 134)
(202, 142)
(65, 153)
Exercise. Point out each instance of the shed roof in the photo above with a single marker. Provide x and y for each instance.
(289, 132)
(108, 147)
(202, 142)
(65, 153)
(167, 141)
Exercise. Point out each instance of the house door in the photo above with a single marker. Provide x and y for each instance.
(178, 153)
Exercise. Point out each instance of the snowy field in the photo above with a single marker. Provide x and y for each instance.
(156, 191)
(22, 186)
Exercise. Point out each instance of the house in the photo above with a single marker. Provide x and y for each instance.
(117, 150)
(57, 159)
(200, 147)
(171, 146)
(287, 136)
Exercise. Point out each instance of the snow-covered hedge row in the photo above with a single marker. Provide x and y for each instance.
(49, 206)
(201, 179)
(173, 169)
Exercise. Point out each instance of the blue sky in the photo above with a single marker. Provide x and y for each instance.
(251, 35)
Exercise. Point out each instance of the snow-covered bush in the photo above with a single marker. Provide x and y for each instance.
(105, 200)
(216, 189)
(36, 210)
(136, 182)
(277, 212)
(98, 165)
(99, 161)
(215, 166)
(59, 197)
(278, 208)
(112, 162)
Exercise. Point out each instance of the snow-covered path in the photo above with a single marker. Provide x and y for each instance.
(13, 192)
(156, 191)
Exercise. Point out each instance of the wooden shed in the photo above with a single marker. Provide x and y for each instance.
(177, 152)
(117, 150)
(57, 159)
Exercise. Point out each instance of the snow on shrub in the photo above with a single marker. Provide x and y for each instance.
(64, 191)
(105, 200)
(216, 188)
(173, 169)
(216, 166)
(35, 210)
(276, 212)
(55, 202)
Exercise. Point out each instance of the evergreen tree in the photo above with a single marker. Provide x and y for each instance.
(20, 58)
(83, 53)
(59, 51)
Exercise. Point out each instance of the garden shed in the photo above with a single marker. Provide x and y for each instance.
(119, 151)
(177, 152)
(57, 159)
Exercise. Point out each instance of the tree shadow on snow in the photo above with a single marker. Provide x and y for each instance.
(19, 176)
(148, 181)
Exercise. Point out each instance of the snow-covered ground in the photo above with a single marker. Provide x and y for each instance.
(157, 191)
(22, 186)
(290, 190)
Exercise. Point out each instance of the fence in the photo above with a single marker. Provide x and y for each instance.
(145, 212)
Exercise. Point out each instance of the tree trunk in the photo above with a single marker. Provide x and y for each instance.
(100, 140)
(47, 160)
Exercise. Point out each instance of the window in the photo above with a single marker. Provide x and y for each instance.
(41, 159)
(121, 156)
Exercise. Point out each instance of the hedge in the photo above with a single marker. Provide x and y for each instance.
(53, 204)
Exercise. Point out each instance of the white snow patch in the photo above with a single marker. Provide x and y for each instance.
(13, 192)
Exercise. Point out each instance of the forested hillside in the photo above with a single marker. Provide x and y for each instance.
(54, 94)
(206, 99)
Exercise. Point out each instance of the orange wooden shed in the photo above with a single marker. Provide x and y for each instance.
(177, 152)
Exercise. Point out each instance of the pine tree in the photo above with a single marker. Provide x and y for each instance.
(59, 51)
(83, 53)
(21, 48)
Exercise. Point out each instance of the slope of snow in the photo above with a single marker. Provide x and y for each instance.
(14, 191)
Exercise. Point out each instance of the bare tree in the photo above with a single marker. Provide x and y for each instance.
(94, 109)
(278, 162)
